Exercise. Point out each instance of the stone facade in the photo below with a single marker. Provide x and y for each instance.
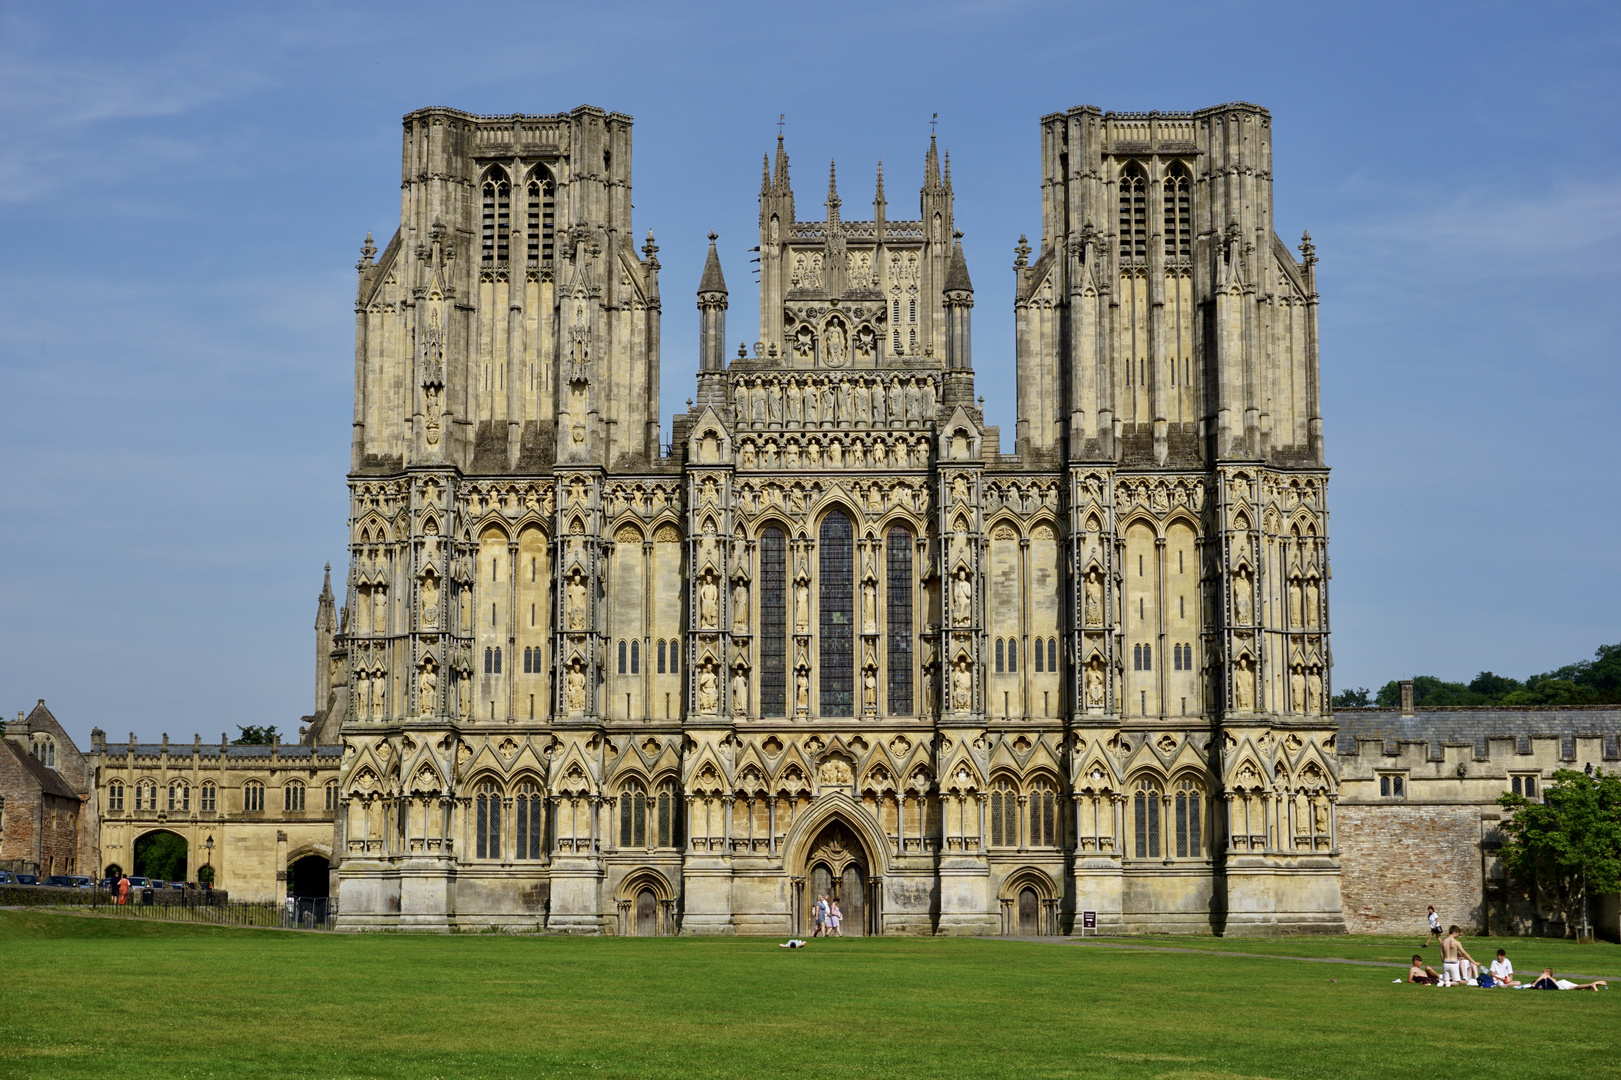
(832, 639)
(47, 817)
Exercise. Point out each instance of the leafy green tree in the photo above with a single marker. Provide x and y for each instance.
(161, 855)
(1493, 687)
(255, 736)
(1568, 846)
(1360, 698)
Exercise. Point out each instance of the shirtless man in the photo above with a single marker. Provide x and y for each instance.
(1422, 973)
(1452, 953)
(1547, 982)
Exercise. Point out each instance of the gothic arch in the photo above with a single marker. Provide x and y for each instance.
(836, 806)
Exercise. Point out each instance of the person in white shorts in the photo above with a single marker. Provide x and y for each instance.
(1452, 955)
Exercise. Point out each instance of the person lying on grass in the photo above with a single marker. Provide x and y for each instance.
(1547, 982)
(1422, 973)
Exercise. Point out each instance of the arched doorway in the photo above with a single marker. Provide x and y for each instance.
(837, 870)
(310, 878)
(1029, 912)
(161, 854)
(647, 913)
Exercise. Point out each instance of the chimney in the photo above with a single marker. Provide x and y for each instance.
(1406, 697)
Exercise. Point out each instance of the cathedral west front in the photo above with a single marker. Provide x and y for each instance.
(839, 636)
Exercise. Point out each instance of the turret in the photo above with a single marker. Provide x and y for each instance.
(712, 302)
(326, 627)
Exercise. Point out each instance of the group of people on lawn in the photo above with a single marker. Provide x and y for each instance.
(1458, 968)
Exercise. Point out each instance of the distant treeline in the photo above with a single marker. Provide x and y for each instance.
(1586, 682)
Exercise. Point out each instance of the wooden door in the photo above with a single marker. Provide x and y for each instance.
(853, 901)
(821, 884)
(1029, 912)
(647, 914)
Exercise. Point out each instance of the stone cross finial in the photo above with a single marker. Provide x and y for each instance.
(1022, 252)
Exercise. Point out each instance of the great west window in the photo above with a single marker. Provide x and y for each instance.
(837, 630)
(773, 623)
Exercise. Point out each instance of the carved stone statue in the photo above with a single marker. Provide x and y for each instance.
(801, 691)
(1243, 686)
(465, 705)
(913, 402)
(897, 402)
(379, 617)
(427, 687)
(801, 608)
(467, 609)
(1319, 815)
(1094, 600)
(928, 399)
(430, 600)
(740, 693)
(1241, 599)
(869, 607)
(708, 689)
(962, 598)
(1094, 686)
(576, 603)
(1296, 612)
(740, 607)
(708, 603)
(869, 692)
(926, 706)
(791, 400)
(574, 689)
(1314, 693)
(1311, 605)
(962, 686)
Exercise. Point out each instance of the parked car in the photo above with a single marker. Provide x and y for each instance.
(140, 882)
(59, 881)
(28, 879)
(6, 878)
(82, 882)
(181, 885)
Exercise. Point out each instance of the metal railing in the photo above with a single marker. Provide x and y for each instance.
(211, 907)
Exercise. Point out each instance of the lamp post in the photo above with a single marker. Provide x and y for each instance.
(208, 862)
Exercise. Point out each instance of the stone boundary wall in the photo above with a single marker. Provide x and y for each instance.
(1400, 858)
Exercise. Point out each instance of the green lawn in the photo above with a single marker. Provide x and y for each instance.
(88, 996)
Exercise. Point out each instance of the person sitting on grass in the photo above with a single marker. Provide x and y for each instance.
(1422, 973)
(1503, 971)
(1546, 981)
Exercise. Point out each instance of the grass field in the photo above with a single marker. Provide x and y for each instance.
(85, 996)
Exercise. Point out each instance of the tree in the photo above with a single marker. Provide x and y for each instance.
(1360, 698)
(255, 736)
(161, 855)
(1568, 846)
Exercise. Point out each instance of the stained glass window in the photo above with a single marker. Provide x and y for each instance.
(527, 821)
(900, 621)
(773, 623)
(837, 629)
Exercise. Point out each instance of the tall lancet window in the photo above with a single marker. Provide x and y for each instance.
(837, 628)
(1133, 214)
(541, 221)
(497, 215)
(898, 551)
(773, 623)
(1178, 189)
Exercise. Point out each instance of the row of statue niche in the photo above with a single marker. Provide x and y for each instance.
(860, 401)
(858, 455)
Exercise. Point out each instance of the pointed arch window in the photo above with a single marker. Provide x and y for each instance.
(1178, 200)
(292, 797)
(675, 657)
(1189, 819)
(622, 654)
(1052, 654)
(837, 603)
(1004, 814)
(773, 623)
(1043, 813)
(208, 800)
(1000, 662)
(898, 603)
(179, 797)
(497, 216)
(115, 795)
(1133, 214)
(633, 815)
(635, 657)
(487, 821)
(542, 217)
(1145, 807)
(253, 797)
(331, 795)
(527, 820)
(669, 814)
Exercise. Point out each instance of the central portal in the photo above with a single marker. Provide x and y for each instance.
(837, 871)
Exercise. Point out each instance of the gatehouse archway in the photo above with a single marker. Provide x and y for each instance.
(310, 878)
(161, 854)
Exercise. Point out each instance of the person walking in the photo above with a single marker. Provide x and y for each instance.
(820, 917)
(123, 887)
(1435, 928)
(835, 917)
(1453, 954)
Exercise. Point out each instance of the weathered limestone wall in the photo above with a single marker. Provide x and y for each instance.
(1399, 859)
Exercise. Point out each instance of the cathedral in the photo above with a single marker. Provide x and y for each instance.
(836, 638)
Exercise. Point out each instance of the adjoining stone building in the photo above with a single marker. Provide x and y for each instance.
(47, 812)
(833, 639)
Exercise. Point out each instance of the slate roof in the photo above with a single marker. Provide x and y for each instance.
(49, 780)
(1472, 727)
(284, 752)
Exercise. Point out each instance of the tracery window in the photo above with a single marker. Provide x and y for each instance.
(487, 821)
(633, 815)
(115, 795)
(208, 799)
(542, 216)
(253, 796)
(669, 814)
(1178, 199)
(1133, 214)
(1004, 813)
(528, 821)
(489, 661)
(622, 654)
(675, 657)
(635, 657)
(661, 656)
(1145, 805)
(899, 607)
(1043, 813)
(1012, 655)
(1189, 819)
(837, 596)
(773, 623)
(1142, 658)
(498, 660)
(1040, 651)
(497, 218)
(999, 656)
(331, 795)
(292, 796)
(44, 750)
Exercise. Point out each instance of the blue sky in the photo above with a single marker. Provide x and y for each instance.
(184, 190)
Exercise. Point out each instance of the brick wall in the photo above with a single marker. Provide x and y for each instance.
(1400, 858)
(18, 811)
